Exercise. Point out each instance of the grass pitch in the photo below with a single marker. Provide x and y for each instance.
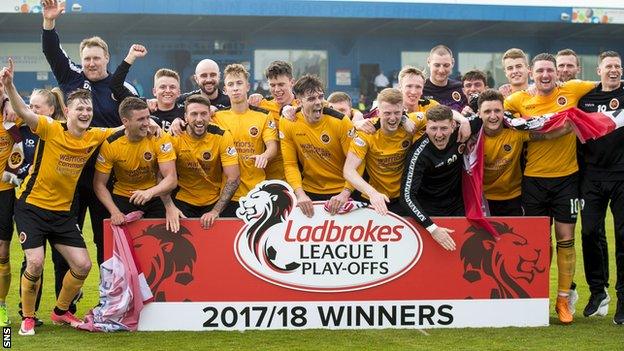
(585, 334)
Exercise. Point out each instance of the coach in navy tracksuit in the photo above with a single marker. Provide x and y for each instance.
(93, 76)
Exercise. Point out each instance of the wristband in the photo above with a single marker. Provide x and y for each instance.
(432, 228)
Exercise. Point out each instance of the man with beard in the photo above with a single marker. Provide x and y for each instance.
(138, 162)
(318, 140)
(550, 183)
(205, 155)
(208, 77)
(516, 68)
(602, 183)
(253, 130)
(439, 86)
(568, 65)
(166, 88)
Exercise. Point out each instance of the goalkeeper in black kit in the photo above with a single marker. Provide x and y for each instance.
(431, 184)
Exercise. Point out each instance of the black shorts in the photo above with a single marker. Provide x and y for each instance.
(503, 208)
(154, 208)
(35, 225)
(395, 207)
(7, 201)
(192, 211)
(554, 197)
(230, 210)
(320, 197)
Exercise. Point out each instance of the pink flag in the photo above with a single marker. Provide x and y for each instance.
(123, 287)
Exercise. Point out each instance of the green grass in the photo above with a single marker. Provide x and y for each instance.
(584, 334)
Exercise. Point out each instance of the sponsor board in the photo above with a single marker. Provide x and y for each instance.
(276, 269)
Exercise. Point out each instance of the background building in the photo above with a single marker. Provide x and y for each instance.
(345, 42)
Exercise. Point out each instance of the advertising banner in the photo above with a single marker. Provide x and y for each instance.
(277, 269)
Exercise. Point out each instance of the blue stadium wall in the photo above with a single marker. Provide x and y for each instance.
(469, 28)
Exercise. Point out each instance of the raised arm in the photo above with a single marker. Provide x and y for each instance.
(17, 103)
(120, 91)
(52, 9)
(63, 68)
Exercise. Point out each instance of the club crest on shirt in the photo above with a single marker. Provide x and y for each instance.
(561, 100)
(325, 138)
(147, 156)
(507, 147)
(614, 104)
(206, 155)
(405, 144)
(253, 131)
(456, 96)
(15, 159)
(89, 149)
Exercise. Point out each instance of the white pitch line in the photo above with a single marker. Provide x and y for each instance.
(423, 332)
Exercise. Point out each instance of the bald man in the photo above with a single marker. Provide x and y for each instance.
(208, 77)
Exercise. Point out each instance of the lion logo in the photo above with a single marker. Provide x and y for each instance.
(268, 204)
(508, 261)
(173, 257)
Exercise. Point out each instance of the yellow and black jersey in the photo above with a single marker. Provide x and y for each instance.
(425, 104)
(6, 147)
(250, 131)
(555, 157)
(135, 164)
(275, 168)
(384, 156)
(502, 176)
(200, 163)
(58, 163)
(320, 149)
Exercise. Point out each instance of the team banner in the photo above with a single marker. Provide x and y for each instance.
(276, 269)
